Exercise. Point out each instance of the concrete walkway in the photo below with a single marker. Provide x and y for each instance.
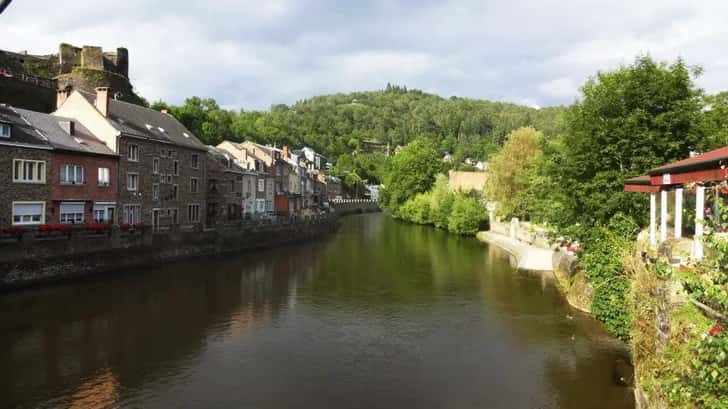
(528, 257)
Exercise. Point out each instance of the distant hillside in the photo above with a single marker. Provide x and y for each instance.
(372, 120)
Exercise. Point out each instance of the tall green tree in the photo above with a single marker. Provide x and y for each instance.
(628, 121)
(413, 171)
(505, 182)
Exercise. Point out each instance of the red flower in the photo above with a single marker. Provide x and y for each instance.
(715, 330)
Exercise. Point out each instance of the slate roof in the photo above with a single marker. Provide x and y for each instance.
(82, 140)
(712, 159)
(147, 123)
(22, 132)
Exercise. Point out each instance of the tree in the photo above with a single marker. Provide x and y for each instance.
(466, 215)
(629, 120)
(715, 122)
(413, 171)
(505, 182)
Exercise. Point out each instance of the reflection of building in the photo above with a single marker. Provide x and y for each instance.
(98, 392)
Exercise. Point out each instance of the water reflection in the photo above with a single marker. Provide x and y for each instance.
(379, 315)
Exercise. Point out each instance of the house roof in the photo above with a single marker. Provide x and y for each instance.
(136, 120)
(22, 133)
(712, 159)
(82, 140)
(639, 180)
(223, 158)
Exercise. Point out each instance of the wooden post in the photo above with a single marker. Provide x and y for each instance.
(678, 212)
(699, 218)
(663, 215)
(653, 217)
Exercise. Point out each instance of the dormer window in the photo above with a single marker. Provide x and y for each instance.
(4, 130)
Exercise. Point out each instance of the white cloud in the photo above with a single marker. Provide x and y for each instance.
(252, 54)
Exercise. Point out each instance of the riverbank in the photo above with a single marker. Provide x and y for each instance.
(35, 259)
(571, 282)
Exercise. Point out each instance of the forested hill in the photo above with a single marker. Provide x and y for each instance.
(370, 121)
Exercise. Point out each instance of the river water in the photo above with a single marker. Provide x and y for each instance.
(379, 315)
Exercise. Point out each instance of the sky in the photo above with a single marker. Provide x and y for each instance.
(253, 54)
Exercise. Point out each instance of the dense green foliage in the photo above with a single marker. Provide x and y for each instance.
(457, 212)
(602, 263)
(370, 121)
(412, 171)
(507, 176)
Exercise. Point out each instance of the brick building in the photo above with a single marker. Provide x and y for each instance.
(83, 171)
(162, 165)
(25, 171)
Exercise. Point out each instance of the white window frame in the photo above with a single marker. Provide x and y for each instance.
(132, 152)
(129, 179)
(194, 185)
(104, 177)
(195, 161)
(5, 130)
(175, 189)
(155, 191)
(71, 217)
(261, 185)
(193, 213)
(71, 173)
(31, 222)
(175, 168)
(38, 168)
(128, 214)
(155, 166)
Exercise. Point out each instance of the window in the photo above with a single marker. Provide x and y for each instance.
(103, 176)
(232, 186)
(261, 185)
(169, 179)
(175, 216)
(155, 166)
(155, 191)
(132, 214)
(103, 213)
(28, 213)
(4, 130)
(132, 181)
(193, 185)
(71, 213)
(176, 168)
(71, 175)
(175, 192)
(269, 205)
(195, 161)
(28, 171)
(193, 213)
(132, 152)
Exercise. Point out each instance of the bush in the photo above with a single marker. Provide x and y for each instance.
(466, 215)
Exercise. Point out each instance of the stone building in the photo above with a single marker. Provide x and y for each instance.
(225, 187)
(30, 81)
(162, 165)
(25, 171)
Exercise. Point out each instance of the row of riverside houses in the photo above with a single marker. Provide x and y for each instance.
(96, 160)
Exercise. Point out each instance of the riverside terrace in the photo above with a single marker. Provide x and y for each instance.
(695, 174)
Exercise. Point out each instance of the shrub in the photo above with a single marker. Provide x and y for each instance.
(466, 215)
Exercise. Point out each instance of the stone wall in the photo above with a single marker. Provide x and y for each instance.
(354, 206)
(34, 260)
(28, 94)
(18, 192)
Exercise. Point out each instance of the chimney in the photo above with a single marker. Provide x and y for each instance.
(102, 100)
(62, 96)
(68, 126)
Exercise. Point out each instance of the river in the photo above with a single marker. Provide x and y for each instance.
(379, 315)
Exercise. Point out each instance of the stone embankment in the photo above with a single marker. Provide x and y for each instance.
(533, 252)
(34, 258)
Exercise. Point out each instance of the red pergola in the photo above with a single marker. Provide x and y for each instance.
(707, 168)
